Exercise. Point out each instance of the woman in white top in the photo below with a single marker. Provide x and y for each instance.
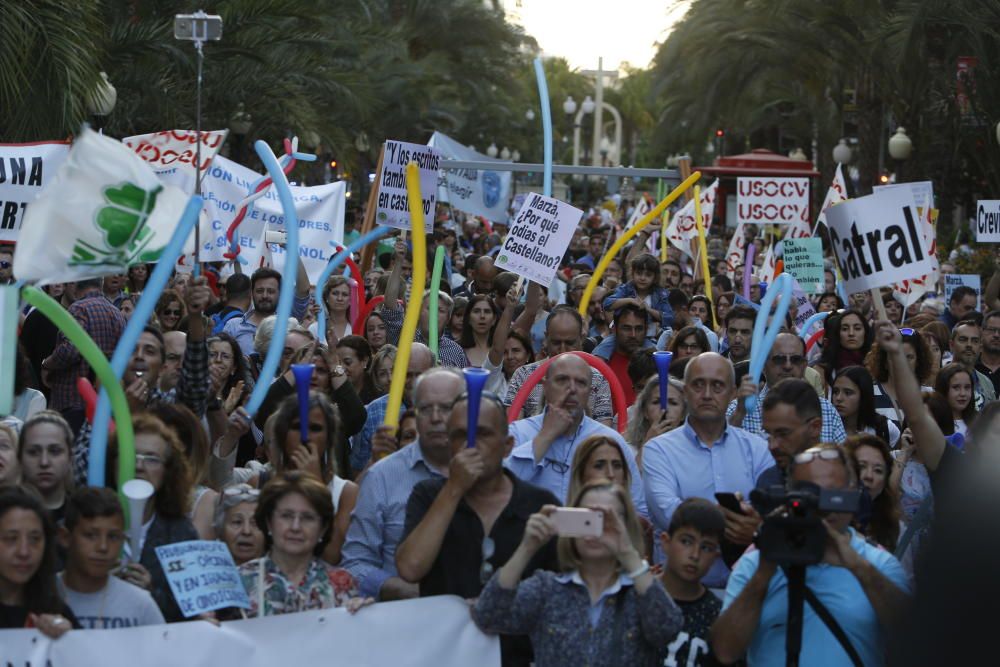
(478, 327)
(337, 297)
(27, 401)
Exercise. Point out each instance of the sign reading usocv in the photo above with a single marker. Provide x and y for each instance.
(877, 240)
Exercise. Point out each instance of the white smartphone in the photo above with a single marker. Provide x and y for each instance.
(578, 522)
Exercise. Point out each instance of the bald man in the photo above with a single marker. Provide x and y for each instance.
(706, 455)
(544, 445)
(483, 273)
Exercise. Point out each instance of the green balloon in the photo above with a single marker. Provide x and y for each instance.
(432, 305)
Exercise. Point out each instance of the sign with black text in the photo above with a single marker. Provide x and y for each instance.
(988, 221)
(24, 170)
(202, 576)
(803, 259)
(769, 200)
(953, 280)
(393, 206)
(538, 238)
(877, 240)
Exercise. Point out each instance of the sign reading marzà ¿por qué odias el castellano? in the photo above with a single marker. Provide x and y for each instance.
(538, 239)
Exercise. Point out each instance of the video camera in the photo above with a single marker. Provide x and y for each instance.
(797, 535)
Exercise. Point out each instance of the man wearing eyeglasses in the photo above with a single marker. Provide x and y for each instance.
(966, 342)
(787, 360)
(6, 264)
(863, 587)
(460, 529)
(989, 359)
(545, 444)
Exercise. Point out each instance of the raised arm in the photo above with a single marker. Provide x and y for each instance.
(502, 330)
(532, 305)
(394, 286)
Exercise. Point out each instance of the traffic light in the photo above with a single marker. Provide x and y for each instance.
(883, 178)
(333, 163)
(720, 133)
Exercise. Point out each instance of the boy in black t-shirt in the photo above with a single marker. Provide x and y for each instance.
(691, 544)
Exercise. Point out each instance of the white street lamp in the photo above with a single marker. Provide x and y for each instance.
(516, 155)
(842, 153)
(900, 146)
(492, 150)
(505, 153)
(102, 100)
(569, 106)
(529, 114)
(588, 105)
(241, 123)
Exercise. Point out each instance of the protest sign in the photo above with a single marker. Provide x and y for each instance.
(202, 576)
(481, 192)
(24, 170)
(953, 280)
(172, 153)
(803, 259)
(538, 238)
(393, 209)
(683, 229)
(766, 200)
(877, 240)
(923, 192)
(836, 193)
(988, 221)
(382, 634)
(320, 210)
(802, 305)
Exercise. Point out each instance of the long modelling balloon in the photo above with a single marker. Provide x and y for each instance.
(287, 293)
(366, 310)
(475, 380)
(432, 305)
(703, 251)
(627, 236)
(125, 347)
(764, 335)
(303, 377)
(355, 271)
(543, 94)
(618, 402)
(335, 263)
(355, 304)
(814, 339)
(748, 269)
(813, 319)
(662, 359)
(412, 315)
(93, 355)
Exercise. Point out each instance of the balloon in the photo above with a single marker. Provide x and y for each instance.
(412, 314)
(761, 341)
(432, 305)
(130, 338)
(303, 377)
(748, 269)
(618, 402)
(814, 339)
(89, 396)
(353, 268)
(287, 293)
(337, 260)
(93, 355)
(703, 251)
(366, 310)
(662, 359)
(543, 94)
(356, 291)
(627, 236)
(475, 380)
(813, 319)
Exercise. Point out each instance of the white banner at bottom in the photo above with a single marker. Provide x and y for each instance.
(432, 631)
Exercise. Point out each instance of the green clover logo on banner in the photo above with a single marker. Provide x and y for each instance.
(123, 224)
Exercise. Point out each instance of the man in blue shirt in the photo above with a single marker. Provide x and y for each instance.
(862, 586)
(378, 518)
(706, 455)
(544, 444)
(265, 285)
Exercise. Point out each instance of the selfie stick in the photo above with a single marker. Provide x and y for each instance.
(475, 380)
(303, 376)
(662, 360)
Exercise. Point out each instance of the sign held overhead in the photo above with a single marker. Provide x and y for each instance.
(763, 200)
(539, 237)
(393, 208)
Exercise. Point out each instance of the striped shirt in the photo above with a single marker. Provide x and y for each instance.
(598, 407)
(833, 425)
(450, 353)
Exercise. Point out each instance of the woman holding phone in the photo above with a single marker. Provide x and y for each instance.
(605, 608)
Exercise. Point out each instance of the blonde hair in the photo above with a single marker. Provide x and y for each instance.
(583, 453)
(569, 558)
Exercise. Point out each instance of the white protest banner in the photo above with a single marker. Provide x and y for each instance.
(836, 193)
(393, 208)
(923, 192)
(481, 192)
(802, 305)
(202, 576)
(103, 211)
(736, 252)
(953, 280)
(988, 221)
(427, 631)
(683, 229)
(803, 259)
(173, 153)
(877, 240)
(767, 200)
(24, 170)
(538, 238)
(320, 210)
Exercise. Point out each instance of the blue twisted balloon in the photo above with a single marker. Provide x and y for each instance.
(764, 335)
(813, 319)
(287, 294)
(543, 94)
(337, 261)
(126, 344)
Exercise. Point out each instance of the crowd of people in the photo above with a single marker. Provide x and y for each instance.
(362, 512)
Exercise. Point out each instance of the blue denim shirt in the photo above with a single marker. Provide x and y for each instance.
(659, 301)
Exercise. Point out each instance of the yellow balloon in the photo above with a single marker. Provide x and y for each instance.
(627, 236)
(412, 315)
(703, 251)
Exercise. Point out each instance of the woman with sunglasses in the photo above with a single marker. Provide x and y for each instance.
(885, 391)
(170, 310)
(295, 513)
(605, 608)
(235, 524)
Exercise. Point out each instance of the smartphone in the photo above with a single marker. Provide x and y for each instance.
(578, 522)
(729, 501)
(199, 27)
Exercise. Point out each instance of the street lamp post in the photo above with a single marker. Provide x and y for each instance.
(900, 149)
(102, 101)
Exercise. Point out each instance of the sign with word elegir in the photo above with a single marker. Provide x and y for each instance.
(202, 576)
(393, 206)
(765, 200)
(804, 260)
(988, 221)
(953, 280)
(538, 238)
(877, 240)
(24, 170)
(482, 192)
